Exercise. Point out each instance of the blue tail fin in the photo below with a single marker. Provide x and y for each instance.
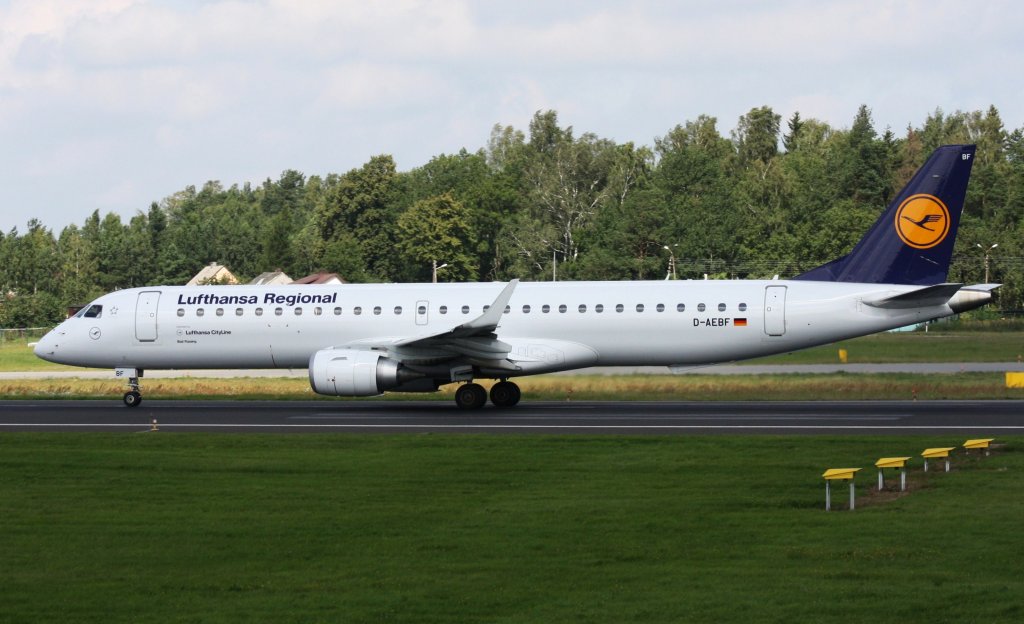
(912, 242)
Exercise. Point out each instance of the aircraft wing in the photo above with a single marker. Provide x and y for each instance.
(474, 342)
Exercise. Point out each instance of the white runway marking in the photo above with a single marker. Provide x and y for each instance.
(165, 426)
(709, 416)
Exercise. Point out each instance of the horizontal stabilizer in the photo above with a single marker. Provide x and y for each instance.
(981, 287)
(920, 298)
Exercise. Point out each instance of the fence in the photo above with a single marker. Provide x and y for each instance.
(22, 333)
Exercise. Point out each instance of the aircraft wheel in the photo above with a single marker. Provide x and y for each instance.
(132, 399)
(470, 396)
(505, 394)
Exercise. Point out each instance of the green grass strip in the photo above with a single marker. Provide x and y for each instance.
(158, 527)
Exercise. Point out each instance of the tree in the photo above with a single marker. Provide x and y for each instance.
(757, 136)
(363, 204)
(791, 140)
(439, 230)
(864, 167)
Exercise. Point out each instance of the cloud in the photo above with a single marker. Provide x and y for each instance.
(168, 93)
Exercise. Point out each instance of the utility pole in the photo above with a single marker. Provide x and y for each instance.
(436, 269)
(671, 261)
(987, 252)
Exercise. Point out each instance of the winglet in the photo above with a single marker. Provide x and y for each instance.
(489, 319)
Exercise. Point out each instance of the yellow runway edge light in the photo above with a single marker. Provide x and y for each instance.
(838, 474)
(937, 453)
(892, 462)
(835, 474)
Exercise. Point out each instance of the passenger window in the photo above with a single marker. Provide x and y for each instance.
(599, 308)
(181, 311)
(95, 311)
(660, 307)
(298, 311)
(376, 310)
(443, 309)
(486, 308)
(278, 311)
(508, 309)
(562, 308)
(357, 310)
(200, 312)
(220, 311)
(583, 308)
(545, 308)
(700, 307)
(337, 311)
(318, 311)
(259, 311)
(526, 309)
(398, 310)
(743, 307)
(465, 309)
(721, 307)
(639, 307)
(238, 311)
(619, 307)
(680, 307)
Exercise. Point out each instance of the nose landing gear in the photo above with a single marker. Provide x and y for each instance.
(133, 397)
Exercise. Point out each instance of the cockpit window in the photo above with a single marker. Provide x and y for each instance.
(93, 311)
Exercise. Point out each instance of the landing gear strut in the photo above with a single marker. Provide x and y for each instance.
(133, 397)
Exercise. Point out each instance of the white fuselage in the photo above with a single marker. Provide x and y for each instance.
(549, 326)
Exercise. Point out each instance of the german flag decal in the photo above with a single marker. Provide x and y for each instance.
(739, 322)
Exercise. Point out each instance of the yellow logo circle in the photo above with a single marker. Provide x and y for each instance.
(922, 221)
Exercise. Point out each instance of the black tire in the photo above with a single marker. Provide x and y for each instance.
(132, 399)
(505, 394)
(470, 396)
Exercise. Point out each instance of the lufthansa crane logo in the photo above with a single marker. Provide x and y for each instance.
(922, 221)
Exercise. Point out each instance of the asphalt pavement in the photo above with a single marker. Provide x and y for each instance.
(956, 418)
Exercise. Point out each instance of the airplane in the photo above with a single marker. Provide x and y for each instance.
(365, 339)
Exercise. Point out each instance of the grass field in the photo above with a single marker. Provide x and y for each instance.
(913, 347)
(784, 387)
(433, 528)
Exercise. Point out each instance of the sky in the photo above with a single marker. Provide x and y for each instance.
(110, 105)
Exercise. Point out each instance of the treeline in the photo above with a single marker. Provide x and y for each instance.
(772, 198)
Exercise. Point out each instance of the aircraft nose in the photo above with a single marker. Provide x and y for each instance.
(47, 346)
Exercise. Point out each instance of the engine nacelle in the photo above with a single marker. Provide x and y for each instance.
(351, 372)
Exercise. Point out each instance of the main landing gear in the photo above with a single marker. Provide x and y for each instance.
(474, 396)
(133, 397)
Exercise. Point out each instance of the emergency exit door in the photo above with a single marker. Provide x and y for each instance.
(145, 316)
(775, 310)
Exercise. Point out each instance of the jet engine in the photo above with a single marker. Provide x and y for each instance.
(352, 372)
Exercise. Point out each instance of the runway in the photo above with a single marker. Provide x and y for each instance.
(960, 418)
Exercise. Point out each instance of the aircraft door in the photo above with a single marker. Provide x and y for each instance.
(145, 316)
(422, 312)
(775, 310)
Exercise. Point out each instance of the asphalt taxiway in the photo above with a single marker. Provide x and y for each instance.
(967, 418)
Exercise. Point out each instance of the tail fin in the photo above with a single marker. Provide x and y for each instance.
(912, 242)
